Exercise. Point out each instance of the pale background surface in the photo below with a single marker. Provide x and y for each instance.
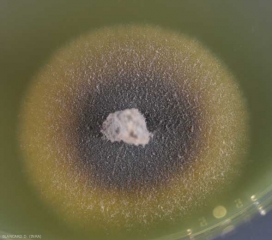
(259, 228)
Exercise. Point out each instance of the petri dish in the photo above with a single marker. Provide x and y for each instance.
(237, 33)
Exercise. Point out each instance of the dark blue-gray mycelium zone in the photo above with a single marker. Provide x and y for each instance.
(172, 115)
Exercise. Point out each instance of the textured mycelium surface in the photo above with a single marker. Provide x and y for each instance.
(192, 106)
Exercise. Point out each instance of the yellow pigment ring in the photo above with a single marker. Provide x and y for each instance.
(193, 109)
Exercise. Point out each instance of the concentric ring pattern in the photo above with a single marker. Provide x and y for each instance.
(192, 105)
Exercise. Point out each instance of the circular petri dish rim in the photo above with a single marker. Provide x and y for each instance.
(259, 204)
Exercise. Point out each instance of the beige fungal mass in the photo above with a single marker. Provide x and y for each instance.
(191, 103)
(128, 126)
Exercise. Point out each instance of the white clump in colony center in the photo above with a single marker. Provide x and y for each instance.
(128, 126)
